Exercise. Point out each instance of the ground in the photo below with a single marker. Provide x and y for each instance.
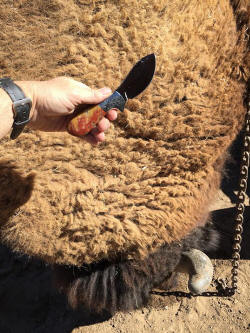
(29, 303)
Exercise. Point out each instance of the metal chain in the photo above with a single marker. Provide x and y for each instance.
(240, 206)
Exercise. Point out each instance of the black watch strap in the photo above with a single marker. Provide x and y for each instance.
(21, 106)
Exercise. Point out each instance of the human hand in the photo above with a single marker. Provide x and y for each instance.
(54, 102)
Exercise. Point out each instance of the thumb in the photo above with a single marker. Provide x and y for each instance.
(92, 96)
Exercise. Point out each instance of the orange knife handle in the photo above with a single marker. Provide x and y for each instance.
(83, 123)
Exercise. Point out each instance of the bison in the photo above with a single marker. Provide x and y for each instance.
(117, 220)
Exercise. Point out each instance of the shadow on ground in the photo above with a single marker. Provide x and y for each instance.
(30, 304)
(230, 182)
(224, 218)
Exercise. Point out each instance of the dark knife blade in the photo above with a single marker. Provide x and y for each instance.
(138, 78)
(136, 81)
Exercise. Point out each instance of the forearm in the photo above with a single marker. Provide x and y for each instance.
(6, 111)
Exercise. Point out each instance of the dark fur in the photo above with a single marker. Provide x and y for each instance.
(126, 285)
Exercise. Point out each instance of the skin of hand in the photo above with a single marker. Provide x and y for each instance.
(54, 101)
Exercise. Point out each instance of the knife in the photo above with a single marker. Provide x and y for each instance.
(136, 81)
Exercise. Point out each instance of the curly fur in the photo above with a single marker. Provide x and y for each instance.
(116, 219)
(126, 285)
(153, 179)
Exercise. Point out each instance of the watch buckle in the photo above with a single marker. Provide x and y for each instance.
(20, 102)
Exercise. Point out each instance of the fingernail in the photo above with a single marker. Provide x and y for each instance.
(105, 91)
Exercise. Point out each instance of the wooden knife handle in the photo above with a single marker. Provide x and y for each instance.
(85, 121)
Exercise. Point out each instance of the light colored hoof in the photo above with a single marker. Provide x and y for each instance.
(200, 269)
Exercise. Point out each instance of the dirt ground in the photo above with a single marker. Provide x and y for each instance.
(29, 303)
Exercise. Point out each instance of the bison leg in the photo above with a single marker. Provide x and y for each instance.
(122, 286)
(125, 285)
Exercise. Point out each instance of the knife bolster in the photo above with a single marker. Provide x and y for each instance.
(115, 101)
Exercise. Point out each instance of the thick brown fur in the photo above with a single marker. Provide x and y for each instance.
(126, 285)
(152, 181)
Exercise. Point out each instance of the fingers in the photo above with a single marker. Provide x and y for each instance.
(97, 134)
(91, 139)
(112, 114)
(103, 125)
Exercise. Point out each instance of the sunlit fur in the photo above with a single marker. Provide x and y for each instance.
(152, 180)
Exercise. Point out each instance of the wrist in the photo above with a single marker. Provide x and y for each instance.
(11, 116)
(29, 90)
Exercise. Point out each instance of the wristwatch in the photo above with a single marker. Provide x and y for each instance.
(21, 106)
